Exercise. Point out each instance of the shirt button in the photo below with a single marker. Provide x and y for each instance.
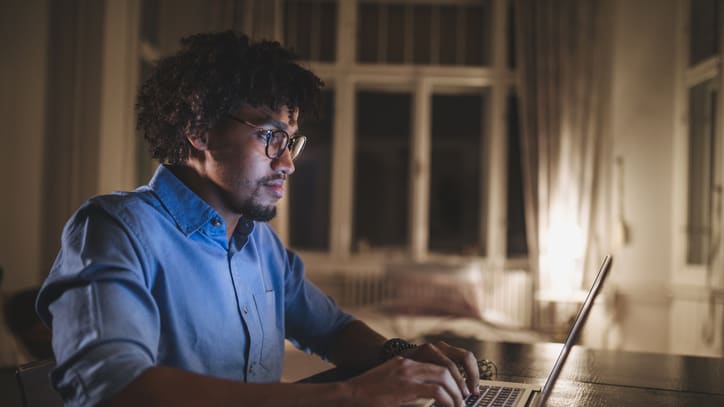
(246, 310)
(216, 222)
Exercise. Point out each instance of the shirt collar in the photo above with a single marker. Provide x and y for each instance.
(187, 209)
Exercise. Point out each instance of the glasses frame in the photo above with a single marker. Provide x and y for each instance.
(288, 142)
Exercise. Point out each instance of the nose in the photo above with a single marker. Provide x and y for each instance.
(284, 163)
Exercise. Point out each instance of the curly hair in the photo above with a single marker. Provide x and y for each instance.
(214, 74)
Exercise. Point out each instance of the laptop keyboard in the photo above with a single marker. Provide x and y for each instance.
(494, 396)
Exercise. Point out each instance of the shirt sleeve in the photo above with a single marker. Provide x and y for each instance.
(105, 322)
(312, 318)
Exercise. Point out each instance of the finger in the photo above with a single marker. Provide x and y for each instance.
(467, 360)
(438, 393)
(437, 375)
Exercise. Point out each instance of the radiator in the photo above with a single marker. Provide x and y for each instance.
(504, 298)
(509, 299)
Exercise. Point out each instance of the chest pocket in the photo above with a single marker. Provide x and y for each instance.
(272, 345)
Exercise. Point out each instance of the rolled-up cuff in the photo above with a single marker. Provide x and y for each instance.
(100, 372)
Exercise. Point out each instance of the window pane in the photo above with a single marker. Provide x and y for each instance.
(309, 186)
(477, 35)
(297, 16)
(421, 29)
(310, 29)
(516, 242)
(395, 34)
(328, 32)
(149, 21)
(382, 168)
(704, 40)
(462, 32)
(702, 148)
(455, 197)
(367, 32)
(448, 35)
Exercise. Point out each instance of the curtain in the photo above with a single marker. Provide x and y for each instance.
(563, 68)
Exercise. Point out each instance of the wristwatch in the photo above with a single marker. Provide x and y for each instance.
(394, 347)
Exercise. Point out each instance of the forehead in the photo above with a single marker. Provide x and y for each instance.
(283, 118)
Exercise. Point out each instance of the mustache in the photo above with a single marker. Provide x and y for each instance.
(273, 178)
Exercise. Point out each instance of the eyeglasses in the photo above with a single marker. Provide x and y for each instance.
(276, 140)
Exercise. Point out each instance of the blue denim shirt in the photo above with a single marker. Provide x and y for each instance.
(149, 277)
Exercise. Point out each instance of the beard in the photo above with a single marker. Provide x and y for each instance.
(258, 213)
(251, 208)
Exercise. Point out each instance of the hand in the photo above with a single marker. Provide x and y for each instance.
(442, 354)
(401, 380)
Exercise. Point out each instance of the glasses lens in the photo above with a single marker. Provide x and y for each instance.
(277, 143)
(297, 145)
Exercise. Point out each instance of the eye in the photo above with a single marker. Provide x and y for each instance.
(266, 134)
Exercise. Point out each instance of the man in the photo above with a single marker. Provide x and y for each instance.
(178, 293)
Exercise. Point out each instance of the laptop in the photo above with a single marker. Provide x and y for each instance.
(499, 393)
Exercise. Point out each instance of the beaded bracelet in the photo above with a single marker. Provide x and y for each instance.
(486, 368)
(397, 346)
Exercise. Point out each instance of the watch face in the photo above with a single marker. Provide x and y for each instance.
(394, 347)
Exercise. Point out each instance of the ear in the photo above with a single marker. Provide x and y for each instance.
(199, 141)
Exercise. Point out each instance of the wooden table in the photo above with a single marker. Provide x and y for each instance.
(601, 377)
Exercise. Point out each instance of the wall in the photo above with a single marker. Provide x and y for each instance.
(22, 113)
(642, 117)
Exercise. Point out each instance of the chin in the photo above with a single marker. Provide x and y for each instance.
(259, 213)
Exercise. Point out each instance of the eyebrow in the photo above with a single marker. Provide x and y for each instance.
(279, 125)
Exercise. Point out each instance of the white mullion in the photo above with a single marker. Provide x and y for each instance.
(343, 140)
(419, 200)
(278, 21)
(680, 202)
(703, 71)
(346, 34)
(343, 157)
(495, 224)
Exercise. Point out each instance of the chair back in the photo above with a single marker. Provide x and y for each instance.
(35, 387)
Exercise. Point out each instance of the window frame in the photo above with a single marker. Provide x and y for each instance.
(686, 274)
(346, 77)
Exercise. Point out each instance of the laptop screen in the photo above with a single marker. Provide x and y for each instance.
(575, 330)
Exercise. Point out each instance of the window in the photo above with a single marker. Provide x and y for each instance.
(700, 146)
(702, 170)
(704, 136)
(420, 143)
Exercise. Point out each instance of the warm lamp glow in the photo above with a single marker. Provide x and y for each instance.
(561, 258)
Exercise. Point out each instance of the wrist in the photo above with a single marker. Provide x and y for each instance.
(394, 347)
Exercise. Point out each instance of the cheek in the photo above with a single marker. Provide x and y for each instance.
(247, 174)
